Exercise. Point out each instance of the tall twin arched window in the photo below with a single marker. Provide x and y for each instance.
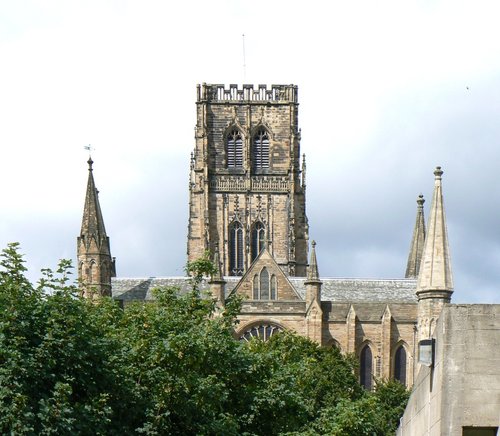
(236, 249)
(366, 366)
(236, 245)
(258, 239)
(264, 286)
(260, 149)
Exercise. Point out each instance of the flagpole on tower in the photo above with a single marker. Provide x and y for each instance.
(244, 61)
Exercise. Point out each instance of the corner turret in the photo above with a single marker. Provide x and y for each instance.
(314, 313)
(95, 264)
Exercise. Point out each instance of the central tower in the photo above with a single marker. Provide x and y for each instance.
(247, 187)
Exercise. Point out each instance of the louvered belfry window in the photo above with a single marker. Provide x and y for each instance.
(400, 365)
(234, 150)
(260, 150)
(366, 367)
(236, 249)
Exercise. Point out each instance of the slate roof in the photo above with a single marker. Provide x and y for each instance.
(335, 290)
(347, 290)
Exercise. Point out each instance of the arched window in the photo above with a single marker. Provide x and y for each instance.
(400, 365)
(258, 239)
(274, 287)
(264, 287)
(260, 150)
(264, 284)
(262, 331)
(92, 278)
(234, 149)
(366, 367)
(104, 272)
(236, 249)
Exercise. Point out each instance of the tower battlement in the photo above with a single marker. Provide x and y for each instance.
(247, 93)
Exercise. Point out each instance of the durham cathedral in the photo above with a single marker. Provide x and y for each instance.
(247, 207)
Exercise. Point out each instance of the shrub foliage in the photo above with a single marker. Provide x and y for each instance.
(72, 366)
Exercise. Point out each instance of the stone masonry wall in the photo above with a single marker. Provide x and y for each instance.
(275, 196)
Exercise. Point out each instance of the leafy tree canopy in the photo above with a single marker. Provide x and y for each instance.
(172, 366)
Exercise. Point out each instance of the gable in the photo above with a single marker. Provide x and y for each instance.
(285, 290)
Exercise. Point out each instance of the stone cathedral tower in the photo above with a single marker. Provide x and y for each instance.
(247, 187)
(247, 207)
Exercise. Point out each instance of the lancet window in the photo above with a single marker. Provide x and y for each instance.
(258, 239)
(236, 249)
(366, 367)
(260, 150)
(400, 365)
(234, 149)
(265, 286)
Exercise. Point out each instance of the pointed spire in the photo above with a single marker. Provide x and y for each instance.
(435, 269)
(92, 221)
(312, 273)
(417, 242)
(95, 264)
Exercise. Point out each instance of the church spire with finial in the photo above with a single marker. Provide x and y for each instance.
(313, 283)
(312, 272)
(417, 242)
(95, 264)
(435, 282)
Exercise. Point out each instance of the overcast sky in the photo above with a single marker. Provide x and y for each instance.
(387, 91)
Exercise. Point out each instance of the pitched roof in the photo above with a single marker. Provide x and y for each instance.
(338, 290)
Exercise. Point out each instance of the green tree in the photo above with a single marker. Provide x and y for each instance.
(299, 379)
(58, 374)
(170, 366)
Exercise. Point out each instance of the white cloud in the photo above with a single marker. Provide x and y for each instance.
(383, 94)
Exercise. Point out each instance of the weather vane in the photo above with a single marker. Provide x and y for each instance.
(89, 148)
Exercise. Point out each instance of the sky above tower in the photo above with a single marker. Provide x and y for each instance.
(388, 90)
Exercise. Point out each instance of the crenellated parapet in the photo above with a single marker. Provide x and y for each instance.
(214, 93)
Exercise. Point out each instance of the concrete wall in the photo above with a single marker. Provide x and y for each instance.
(463, 387)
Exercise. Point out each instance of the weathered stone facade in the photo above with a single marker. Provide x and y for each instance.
(228, 188)
(247, 208)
